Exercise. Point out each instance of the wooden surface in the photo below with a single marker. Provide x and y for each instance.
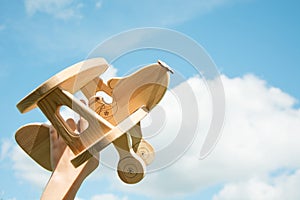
(131, 168)
(133, 97)
(145, 87)
(65, 180)
(145, 151)
(56, 92)
(71, 79)
(34, 140)
(110, 136)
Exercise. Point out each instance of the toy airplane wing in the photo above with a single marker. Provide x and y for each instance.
(34, 140)
(133, 97)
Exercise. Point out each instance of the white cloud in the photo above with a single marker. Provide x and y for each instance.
(111, 72)
(2, 193)
(78, 198)
(108, 197)
(27, 170)
(5, 147)
(62, 9)
(275, 188)
(261, 133)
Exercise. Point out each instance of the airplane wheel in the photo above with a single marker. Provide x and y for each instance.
(145, 151)
(130, 170)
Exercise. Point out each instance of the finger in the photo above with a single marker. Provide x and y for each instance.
(71, 124)
(82, 125)
(83, 101)
(53, 133)
(55, 147)
(55, 140)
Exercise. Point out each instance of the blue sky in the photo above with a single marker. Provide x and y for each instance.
(261, 38)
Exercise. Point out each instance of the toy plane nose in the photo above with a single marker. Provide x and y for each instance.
(164, 65)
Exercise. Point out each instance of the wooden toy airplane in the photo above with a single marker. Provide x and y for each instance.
(133, 97)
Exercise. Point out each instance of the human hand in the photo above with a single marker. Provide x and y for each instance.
(66, 179)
